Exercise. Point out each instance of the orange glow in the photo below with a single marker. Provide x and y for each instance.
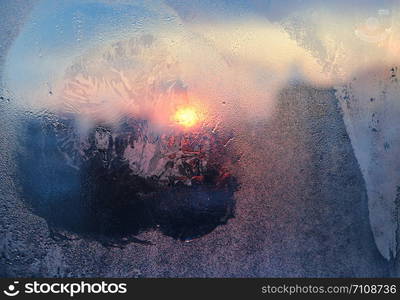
(186, 116)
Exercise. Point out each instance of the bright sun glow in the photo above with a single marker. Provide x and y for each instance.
(186, 116)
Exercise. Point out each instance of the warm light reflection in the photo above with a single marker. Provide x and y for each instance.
(186, 116)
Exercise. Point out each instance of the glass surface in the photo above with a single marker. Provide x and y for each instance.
(258, 131)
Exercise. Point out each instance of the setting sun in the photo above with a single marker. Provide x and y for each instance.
(186, 116)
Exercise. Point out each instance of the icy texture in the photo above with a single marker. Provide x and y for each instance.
(301, 210)
(360, 55)
(371, 110)
(138, 77)
(115, 183)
